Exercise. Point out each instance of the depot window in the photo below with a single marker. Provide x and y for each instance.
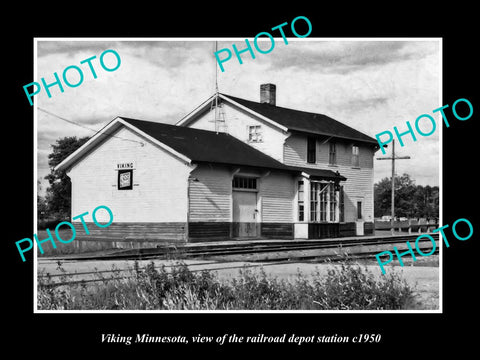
(244, 183)
(255, 133)
(311, 150)
(332, 155)
(301, 201)
(323, 202)
(355, 155)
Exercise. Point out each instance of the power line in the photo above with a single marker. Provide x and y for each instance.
(85, 127)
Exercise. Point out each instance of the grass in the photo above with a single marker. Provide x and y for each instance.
(345, 287)
(431, 261)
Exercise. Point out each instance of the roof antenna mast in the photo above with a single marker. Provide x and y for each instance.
(216, 70)
(216, 90)
(219, 115)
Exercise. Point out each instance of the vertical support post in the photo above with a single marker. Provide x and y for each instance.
(216, 93)
(393, 188)
(327, 215)
(337, 207)
(307, 199)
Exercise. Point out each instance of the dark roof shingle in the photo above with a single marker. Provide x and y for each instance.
(304, 121)
(211, 147)
(206, 146)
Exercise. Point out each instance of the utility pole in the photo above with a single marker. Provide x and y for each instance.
(393, 158)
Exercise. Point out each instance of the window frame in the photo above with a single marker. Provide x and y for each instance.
(301, 203)
(355, 155)
(332, 155)
(244, 183)
(341, 205)
(255, 136)
(359, 210)
(311, 150)
(319, 202)
(324, 204)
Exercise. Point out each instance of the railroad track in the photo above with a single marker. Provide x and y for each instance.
(188, 251)
(257, 254)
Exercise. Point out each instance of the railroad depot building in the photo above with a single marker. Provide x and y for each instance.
(230, 169)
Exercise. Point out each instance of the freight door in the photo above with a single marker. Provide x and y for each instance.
(244, 214)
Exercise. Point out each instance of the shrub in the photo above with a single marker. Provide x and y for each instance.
(350, 287)
(43, 224)
(344, 287)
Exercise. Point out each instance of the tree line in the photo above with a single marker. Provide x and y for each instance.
(411, 201)
(56, 205)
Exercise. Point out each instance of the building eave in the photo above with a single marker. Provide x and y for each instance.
(190, 117)
(107, 131)
(254, 113)
(187, 119)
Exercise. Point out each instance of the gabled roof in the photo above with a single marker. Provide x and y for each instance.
(304, 121)
(221, 148)
(206, 146)
(195, 145)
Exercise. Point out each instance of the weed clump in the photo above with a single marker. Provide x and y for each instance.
(344, 287)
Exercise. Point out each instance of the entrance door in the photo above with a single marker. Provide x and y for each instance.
(244, 214)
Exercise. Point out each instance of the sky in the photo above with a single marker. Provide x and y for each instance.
(369, 84)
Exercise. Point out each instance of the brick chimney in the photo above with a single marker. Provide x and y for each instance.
(268, 94)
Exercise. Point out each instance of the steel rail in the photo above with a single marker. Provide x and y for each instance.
(291, 259)
(237, 249)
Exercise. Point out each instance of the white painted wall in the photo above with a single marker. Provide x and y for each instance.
(359, 183)
(211, 195)
(277, 193)
(237, 122)
(300, 231)
(161, 194)
(291, 150)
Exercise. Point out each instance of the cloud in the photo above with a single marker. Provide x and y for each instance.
(174, 54)
(165, 53)
(368, 85)
(364, 104)
(71, 47)
(344, 57)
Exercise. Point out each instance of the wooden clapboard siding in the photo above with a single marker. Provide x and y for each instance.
(160, 182)
(237, 121)
(368, 228)
(133, 231)
(209, 230)
(277, 191)
(295, 152)
(277, 230)
(359, 186)
(359, 183)
(210, 194)
(323, 230)
(347, 229)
